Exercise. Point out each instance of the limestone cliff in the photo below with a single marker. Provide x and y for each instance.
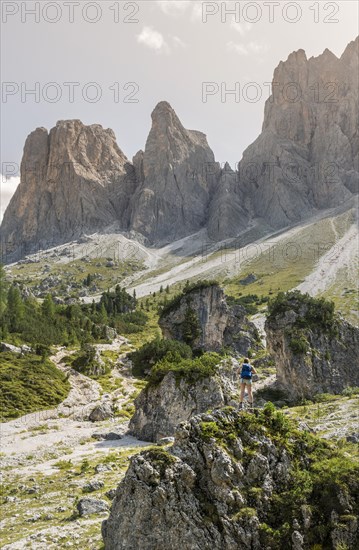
(219, 325)
(307, 156)
(314, 350)
(74, 179)
(236, 480)
(177, 173)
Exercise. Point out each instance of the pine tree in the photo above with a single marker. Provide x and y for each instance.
(15, 308)
(103, 314)
(3, 292)
(191, 327)
(48, 307)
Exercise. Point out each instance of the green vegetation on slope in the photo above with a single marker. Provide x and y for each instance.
(152, 352)
(188, 369)
(313, 313)
(321, 476)
(24, 319)
(28, 383)
(67, 278)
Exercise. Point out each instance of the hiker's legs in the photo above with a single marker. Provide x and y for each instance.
(250, 395)
(243, 388)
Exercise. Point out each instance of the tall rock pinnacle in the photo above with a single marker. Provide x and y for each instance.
(178, 172)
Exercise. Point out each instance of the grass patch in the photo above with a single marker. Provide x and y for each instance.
(28, 384)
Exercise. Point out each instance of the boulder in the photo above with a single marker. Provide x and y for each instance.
(94, 485)
(89, 506)
(110, 436)
(101, 412)
(4, 346)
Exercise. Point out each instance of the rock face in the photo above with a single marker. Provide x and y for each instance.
(311, 357)
(75, 179)
(219, 325)
(306, 157)
(229, 482)
(101, 412)
(176, 176)
(160, 408)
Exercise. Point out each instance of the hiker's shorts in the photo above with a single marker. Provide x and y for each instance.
(246, 381)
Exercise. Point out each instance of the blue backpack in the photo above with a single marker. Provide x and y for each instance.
(246, 372)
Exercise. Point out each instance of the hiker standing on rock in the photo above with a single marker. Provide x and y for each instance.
(246, 382)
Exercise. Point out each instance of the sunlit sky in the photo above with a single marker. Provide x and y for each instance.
(125, 57)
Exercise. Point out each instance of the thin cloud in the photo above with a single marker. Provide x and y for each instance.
(242, 28)
(153, 39)
(172, 7)
(237, 48)
(197, 11)
(175, 8)
(178, 43)
(245, 49)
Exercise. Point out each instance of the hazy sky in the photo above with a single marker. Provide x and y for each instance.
(122, 58)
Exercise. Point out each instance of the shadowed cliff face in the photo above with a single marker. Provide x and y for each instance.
(76, 179)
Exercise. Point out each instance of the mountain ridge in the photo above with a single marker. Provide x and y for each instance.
(75, 179)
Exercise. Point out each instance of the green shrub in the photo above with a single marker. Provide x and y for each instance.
(149, 354)
(350, 391)
(318, 313)
(189, 369)
(299, 345)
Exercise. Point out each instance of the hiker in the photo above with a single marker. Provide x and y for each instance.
(246, 382)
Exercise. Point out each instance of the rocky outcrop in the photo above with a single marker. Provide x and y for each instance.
(161, 407)
(88, 506)
(233, 480)
(218, 325)
(314, 350)
(103, 411)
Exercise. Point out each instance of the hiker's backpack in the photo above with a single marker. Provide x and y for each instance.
(246, 373)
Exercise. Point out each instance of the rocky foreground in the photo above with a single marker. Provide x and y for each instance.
(236, 480)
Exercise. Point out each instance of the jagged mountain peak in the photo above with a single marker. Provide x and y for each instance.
(174, 187)
(162, 108)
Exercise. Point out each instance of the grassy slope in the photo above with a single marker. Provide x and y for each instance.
(284, 265)
(75, 272)
(28, 384)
